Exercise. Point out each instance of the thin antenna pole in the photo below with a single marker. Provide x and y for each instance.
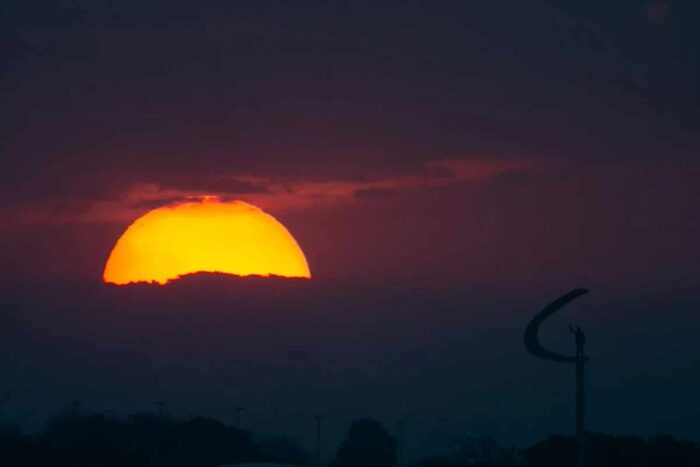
(238, 416)
(400, 442)
(318, 419)
(161, 453)
(580, 406)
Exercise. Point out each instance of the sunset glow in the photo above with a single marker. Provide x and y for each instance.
(204, 236)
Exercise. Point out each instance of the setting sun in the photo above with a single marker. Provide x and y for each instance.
(204, 236)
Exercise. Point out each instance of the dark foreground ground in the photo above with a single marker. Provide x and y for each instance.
(93, 440)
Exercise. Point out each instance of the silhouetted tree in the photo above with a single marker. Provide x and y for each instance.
(368, 444)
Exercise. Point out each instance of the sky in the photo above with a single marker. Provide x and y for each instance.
(447, 168)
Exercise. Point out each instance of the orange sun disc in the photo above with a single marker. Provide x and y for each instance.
(204, 236)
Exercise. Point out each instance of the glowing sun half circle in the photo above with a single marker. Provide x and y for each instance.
(204, 236)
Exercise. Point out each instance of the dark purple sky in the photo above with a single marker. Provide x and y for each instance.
(465, 153)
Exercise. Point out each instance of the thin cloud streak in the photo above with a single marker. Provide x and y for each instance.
(274, 195)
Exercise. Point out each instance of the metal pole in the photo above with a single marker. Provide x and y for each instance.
(400, 442)
(238, 417)
(318, 440)
(580, 411)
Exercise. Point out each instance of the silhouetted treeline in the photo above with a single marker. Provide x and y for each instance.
(615, 451)
(140, 440)
(473, 452)
(91, 440)
(560, 451)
